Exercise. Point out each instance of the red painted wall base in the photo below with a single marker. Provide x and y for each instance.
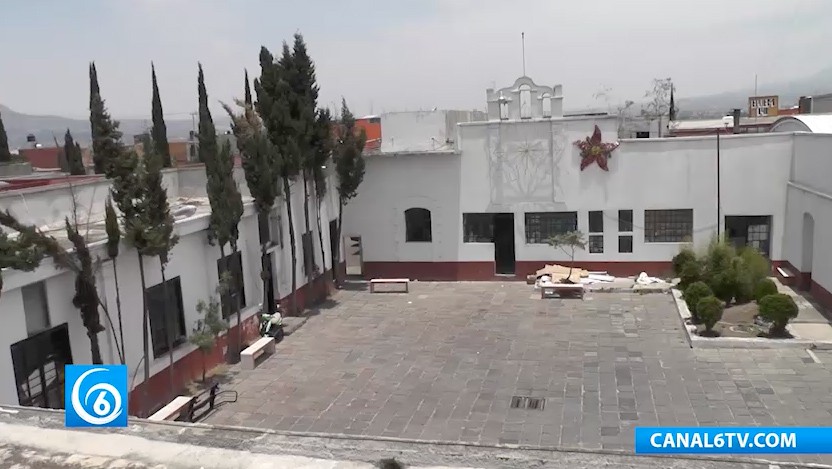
(189, 367)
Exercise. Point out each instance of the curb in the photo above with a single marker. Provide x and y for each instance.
(710, 343)
(289, 329)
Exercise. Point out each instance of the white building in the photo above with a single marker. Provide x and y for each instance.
(483, 210)
(42, 330)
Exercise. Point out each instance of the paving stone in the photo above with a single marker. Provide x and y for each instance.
(444, 361)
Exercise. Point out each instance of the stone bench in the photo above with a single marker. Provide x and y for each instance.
(389, 281)
(786, 277)
(172, 410)
(248, 357)
(559, 289)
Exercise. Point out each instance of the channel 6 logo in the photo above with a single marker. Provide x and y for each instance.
(95, 395)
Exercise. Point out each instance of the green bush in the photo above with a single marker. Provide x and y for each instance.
(690, 273)
(744, 285)
(685, 256)
(764, 288)
(695, 292)
(709, 310)
(756, 264)
(720, 270)
(778, 308)
(724, 284)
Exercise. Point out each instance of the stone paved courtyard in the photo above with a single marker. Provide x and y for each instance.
(443, 362)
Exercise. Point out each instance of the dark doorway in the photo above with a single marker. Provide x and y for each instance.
(504, 261)
(270, 293)
(39, 367)
(754, 231)
(333, 245)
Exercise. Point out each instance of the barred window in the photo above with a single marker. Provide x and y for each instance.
(478, 227)
(625, 244)
(417, 225)
(596, 221)
(668, 226)
(596, 244)
(540, 226)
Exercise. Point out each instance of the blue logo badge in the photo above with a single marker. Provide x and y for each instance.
(95, 395)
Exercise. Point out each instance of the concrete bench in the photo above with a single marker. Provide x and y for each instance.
(559, 289)
(389, 281)
(172, 410)
(264, 345)
(786, 277)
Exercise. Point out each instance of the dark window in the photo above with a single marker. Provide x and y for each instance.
(596, 222)
(417, 225)
(642, 134)
(35, 307)
(162, 320)
(625, 221)
(237, 282)
(596, 244)
(668, 226)
(478, 227)
(308, 252)
(625, 243)
(540, 226)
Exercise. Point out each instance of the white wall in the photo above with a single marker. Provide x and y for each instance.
(643, 174)
(192, 259)
(415, 131)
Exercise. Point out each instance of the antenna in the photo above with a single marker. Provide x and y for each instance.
(523, 40)
(755, 84)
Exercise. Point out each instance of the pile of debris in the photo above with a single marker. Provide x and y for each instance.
(555, 274)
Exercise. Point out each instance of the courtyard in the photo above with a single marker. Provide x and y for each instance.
(445, 361)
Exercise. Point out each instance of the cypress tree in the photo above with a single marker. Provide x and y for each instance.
(349, 168)
(5, 153)
(322, 148)
(247, 96)
(104, 130)
(274, 94)
(74, 156)
(113, 243)
(224, 197)
(159, 130)
(260, 161)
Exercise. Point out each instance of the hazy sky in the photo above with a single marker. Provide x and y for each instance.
(400, 55)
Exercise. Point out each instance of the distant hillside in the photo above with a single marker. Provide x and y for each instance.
(789, 93)
(18, 126)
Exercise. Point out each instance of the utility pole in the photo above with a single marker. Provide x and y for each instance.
(523, 41)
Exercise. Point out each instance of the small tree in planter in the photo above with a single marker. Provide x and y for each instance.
(779, 309)
(709, 310)
(209, 326)
(695, 292)
(568, 242)
(685, 256)
(764, 288)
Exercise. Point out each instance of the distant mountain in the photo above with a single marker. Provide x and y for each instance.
(789, 93)
(18, 126)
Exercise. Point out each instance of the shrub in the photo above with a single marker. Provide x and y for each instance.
(724, 284)
(720, 270)
(695, 292)
(685, 256)
(709, 310)
(778, 308)
(756, 264)
(763, 288)
(744, 286)
(690, 273)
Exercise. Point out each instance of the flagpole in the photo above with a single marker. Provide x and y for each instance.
(523, 41)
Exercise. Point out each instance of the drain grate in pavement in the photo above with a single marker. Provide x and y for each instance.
(524, 402)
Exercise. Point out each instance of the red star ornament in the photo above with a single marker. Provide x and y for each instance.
(593, 150)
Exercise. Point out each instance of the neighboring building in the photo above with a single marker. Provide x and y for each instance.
(48, 158)
(820, 104)
(42, 330)
(371, 125)
(484, 210)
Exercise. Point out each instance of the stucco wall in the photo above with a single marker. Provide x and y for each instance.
(541, 172)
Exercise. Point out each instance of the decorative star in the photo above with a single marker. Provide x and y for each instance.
(593, 150)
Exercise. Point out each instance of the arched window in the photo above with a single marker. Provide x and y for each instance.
(546, 102)
(417, 225)
(503, 107)
(525, 102)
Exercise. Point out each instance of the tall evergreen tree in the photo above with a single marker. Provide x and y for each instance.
(349, 168)
(303, 99)
(5, 153)
(160, 130)
(74, 156)
(18, 253)
(106, 146)
(113, 244)
(247, 95)
(225, 199)
(261, 165)
(322, 145)
(274, 95)
(160, 236)
(672, 112)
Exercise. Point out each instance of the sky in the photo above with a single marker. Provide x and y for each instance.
(401, 55)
